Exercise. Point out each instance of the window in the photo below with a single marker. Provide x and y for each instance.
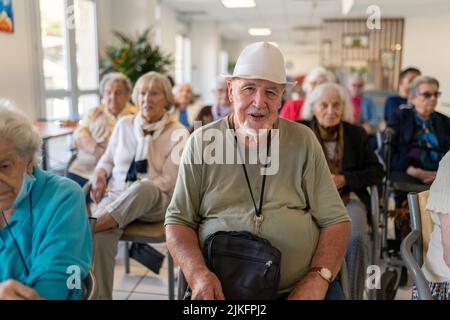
(67, 57)
(182, 59)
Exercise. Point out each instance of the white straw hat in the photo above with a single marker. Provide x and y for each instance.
(261, 60)
(439, 199)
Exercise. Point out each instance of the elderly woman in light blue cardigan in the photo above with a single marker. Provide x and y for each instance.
(45, 239)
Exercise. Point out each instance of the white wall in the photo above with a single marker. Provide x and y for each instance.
(168, 26)
(205, 39)
(300, 62)
(426, 45)
(16, 61)
(130, 17)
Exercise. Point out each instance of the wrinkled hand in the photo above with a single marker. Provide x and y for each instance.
(312, 287)
(13, 290)
(98, 187)
(425, 176)
(339, 181)
(207, 286)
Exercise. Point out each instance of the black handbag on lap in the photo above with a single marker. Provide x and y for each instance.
(247, 266)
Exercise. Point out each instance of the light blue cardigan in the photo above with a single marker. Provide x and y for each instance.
(54, 242)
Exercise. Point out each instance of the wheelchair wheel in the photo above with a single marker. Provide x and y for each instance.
(388, 283)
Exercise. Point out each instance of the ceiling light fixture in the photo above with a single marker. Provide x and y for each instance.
(259, 32)
(239, 3)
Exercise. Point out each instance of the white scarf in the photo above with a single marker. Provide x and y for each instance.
(140, 126)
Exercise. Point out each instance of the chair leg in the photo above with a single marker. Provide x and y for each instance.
(171, 280)
(127, 258)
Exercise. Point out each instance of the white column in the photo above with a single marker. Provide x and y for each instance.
(205, 43)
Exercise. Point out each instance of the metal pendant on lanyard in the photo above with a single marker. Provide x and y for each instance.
(258, 218)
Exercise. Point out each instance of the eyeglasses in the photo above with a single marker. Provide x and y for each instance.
(428, 95)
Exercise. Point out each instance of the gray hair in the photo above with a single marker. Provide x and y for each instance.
(417, 82)
(17, 128)
(115, 76)
(319, 91)
(158, 80)
(316, 73)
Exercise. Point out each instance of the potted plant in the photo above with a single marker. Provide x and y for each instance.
(135, 57)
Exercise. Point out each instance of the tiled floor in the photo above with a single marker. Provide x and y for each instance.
(143, 284)
(140, 283)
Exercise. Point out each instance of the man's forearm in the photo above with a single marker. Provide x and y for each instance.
(330, 251)
(183, 245)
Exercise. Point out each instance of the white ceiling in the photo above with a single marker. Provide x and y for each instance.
(282, 16)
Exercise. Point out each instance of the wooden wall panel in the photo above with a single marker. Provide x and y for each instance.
(382, 56)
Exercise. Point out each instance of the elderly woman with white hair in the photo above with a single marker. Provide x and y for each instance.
(44, 229)
(353, 165)
(292, 108)
(141, 163)
(186, 107)
(94, 131)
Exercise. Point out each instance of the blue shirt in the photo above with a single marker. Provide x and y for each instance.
(54, 237)
(184, 118)
(370, 112)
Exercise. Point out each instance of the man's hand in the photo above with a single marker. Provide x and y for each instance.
(13, 290)
(425, 176)
(312, 287)
(98, 187)
(207, 287)
(339, 181)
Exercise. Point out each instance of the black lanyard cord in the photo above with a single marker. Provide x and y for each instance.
(258, 211)
(14, 238)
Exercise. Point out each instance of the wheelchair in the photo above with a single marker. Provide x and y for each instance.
(390, 250)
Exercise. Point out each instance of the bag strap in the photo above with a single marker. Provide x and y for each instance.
(258, 210)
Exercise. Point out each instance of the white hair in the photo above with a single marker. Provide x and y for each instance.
(115, 76)
(317, 73)
(319, 92)
(18, 129)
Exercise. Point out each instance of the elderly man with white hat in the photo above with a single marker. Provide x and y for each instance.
(300, 211)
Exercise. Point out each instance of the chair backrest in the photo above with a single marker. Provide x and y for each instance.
(425, 218)
(89, 290)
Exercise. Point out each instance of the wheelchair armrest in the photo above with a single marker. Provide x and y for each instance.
(413, 267)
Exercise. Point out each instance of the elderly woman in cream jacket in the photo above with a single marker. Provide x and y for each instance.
(94, 131)
(436, 267)
(141, 162)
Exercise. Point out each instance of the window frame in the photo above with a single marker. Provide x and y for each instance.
(73, 93)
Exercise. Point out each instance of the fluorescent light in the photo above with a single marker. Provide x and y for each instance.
(239, 3)
(347, 5)
(259, 31)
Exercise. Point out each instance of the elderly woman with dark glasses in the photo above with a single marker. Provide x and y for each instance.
(45, 238)
(421, 136)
